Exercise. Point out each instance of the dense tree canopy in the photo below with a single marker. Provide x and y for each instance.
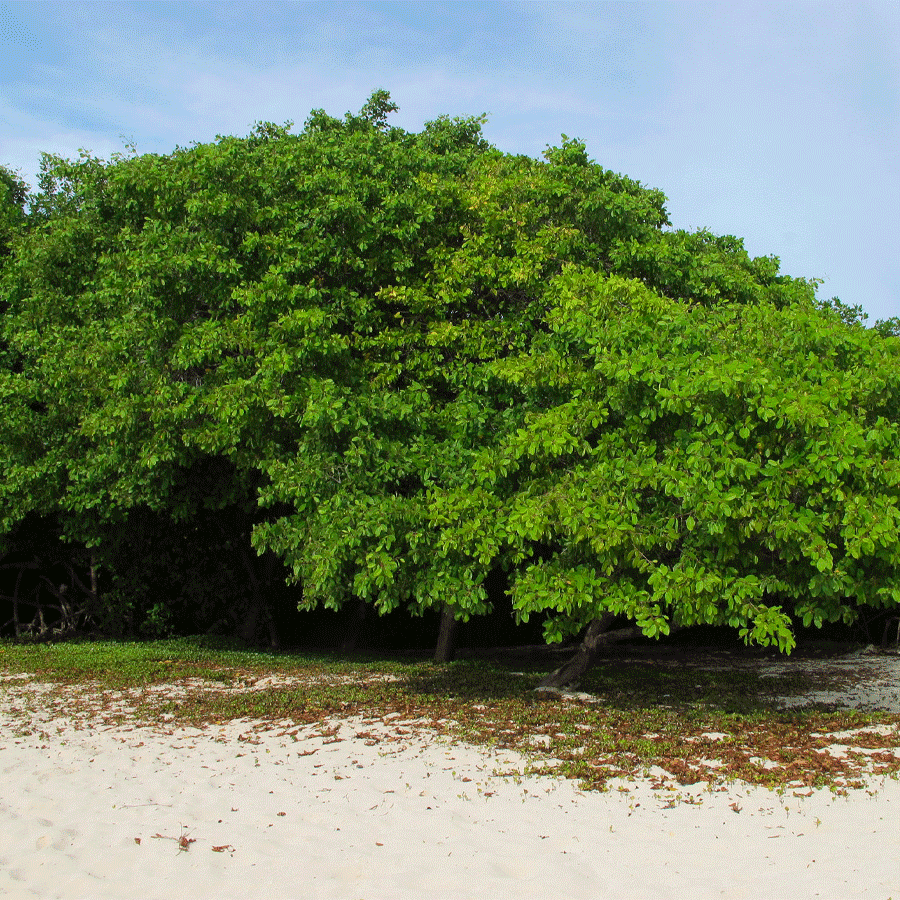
(426, 359)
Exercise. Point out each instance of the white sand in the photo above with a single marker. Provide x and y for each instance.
(399, 813)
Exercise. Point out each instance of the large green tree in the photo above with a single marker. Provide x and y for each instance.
(206, 304)
(432, 359)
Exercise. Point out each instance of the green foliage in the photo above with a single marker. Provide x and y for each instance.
(426, 359)
(746, 468)
(13, 199)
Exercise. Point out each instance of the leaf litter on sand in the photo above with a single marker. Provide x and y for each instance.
(708, 719)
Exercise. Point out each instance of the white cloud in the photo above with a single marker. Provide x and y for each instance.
(778, 123)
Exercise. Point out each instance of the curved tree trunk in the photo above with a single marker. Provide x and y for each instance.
(582, 660)
(446, 645)
(596, 636)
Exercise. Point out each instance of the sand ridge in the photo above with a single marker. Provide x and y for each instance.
(360, 807)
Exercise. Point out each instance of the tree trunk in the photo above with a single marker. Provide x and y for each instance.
(16, 603)
(582, 660)
(259, 607)
(446, 644)
(274, 636)
(354, 626)
(95, 588)
(596, 636)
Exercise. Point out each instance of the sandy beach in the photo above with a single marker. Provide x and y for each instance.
(359, 808)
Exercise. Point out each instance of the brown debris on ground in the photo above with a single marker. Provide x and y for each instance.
(680, 716)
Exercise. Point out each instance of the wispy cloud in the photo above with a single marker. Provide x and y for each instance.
(779, 123)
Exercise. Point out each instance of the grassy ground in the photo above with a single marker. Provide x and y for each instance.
(692, 723)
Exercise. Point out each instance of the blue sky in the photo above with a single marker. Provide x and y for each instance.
(778, 123)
